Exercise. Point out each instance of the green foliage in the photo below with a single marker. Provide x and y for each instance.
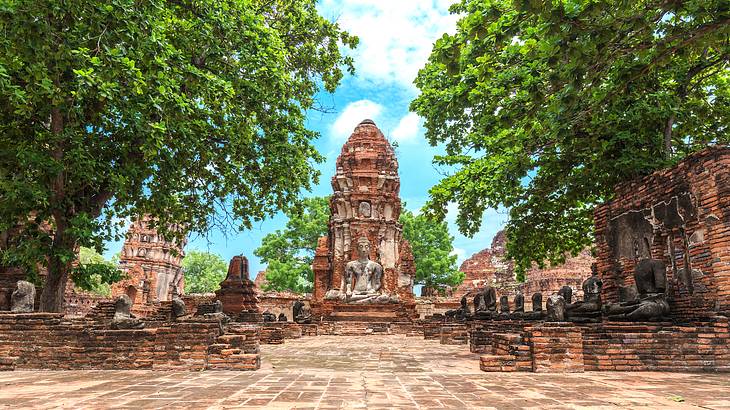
(544, 106)
(94, 273)
(191, 111)
(289, 253)
(204, 271)
(432, 250)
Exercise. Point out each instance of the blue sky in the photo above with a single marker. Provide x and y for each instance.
(396, 37)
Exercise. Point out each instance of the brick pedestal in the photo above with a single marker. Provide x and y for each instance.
(454, 334)
(556, 347)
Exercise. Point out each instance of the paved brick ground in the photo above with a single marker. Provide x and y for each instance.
(361, 372)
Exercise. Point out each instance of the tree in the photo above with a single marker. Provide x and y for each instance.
(432, 250)
(289, 253)
(190, 111)
(94, 274)
(544, 106)
(204, 271)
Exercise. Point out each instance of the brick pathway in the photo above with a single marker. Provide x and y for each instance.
(361, 372)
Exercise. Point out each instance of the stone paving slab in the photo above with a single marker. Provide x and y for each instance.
(370, 372)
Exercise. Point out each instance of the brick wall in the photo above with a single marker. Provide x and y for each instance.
(76, 303)
(703, 346)
(683, 214)
(354, 328)
(623, 346)
(454, 334)
(279, 302)
(51, 341)
(556, 347)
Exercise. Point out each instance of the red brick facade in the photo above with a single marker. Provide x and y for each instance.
(682, 216)
(160, 262)
(51, 341)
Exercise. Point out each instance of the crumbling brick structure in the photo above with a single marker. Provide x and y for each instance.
(52, 341)
(681, 216)
(237, 292)
(160, 261)
(365, 203)
(567, 347)
(490, 267)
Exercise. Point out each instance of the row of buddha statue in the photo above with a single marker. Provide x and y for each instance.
(646, 301)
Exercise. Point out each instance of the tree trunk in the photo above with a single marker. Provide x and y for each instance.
(55, 286)
(668, 137)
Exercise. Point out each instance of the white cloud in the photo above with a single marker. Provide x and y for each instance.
(352, 115)
(460, 255)
(396, 36)
(407, 128)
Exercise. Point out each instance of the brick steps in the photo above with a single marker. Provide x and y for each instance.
(7, 363)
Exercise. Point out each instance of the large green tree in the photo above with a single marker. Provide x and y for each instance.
(433, 248)
(543, 106)
(204, 271)
(289, 252)
(184, 110)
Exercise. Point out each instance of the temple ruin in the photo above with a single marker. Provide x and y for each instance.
(656, 297)
(363, 268)
(153, 263)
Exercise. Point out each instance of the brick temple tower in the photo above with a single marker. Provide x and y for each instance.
(160, 262)
(365, 202)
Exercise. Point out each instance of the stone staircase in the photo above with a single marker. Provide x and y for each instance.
(238, 349)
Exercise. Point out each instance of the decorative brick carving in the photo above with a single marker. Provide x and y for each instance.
(365, 203)
(159, 259)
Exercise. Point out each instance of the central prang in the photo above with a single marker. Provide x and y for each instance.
(364, 259)
(364, 273)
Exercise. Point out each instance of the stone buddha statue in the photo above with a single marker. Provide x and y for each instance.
(650, 276)
(462, 313)
(519, 310)
(362, 276)
(589, 309)
(487, 306)
(537, 312)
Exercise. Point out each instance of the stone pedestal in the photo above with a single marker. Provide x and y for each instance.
(237, 293)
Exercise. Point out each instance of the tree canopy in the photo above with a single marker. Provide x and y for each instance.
(289, 253)
(204, 271)
(544, 106)
(183, 110)
(93, 273)
(432, 248)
